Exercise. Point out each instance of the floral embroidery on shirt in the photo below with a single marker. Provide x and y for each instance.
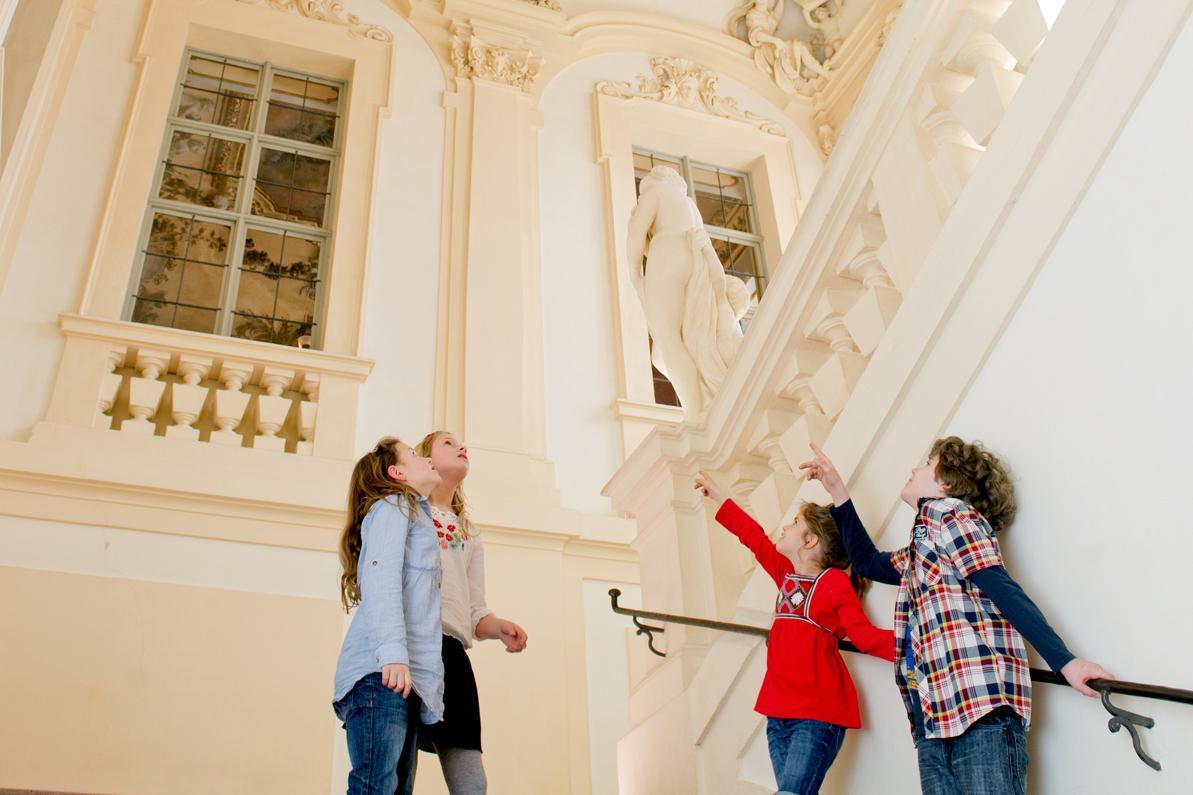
(451, 534)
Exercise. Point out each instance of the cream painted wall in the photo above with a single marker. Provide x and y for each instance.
(23, 37)
(51, 259)
(403, 266)
(154, 663)
(583, 438)
(1086, 395)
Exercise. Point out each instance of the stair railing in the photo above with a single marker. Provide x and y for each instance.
(1119, 717)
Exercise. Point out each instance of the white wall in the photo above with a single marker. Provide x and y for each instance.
(402, 292)
(583, 439)
(1087, 396)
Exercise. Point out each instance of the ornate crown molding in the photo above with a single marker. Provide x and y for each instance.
(474, 58)
(329, 11)
(678, 81)
(796, 66)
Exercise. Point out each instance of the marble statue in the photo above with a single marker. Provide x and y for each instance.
(692, 306)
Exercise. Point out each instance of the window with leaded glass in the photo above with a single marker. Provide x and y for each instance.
(238, 228)
(725, 200)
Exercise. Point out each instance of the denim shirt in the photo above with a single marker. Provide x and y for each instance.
(397, 620)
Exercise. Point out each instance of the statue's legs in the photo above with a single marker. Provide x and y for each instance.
(664, 318)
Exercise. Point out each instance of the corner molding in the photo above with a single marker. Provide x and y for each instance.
(679, 81)
(329, 11)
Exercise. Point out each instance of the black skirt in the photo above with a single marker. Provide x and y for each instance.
(461, 724)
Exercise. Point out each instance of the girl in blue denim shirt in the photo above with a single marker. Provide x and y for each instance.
(389, 677)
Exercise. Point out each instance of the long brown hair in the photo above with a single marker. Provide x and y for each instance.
(370, 482)
(973, 474)
(832, 548)
(458, 503)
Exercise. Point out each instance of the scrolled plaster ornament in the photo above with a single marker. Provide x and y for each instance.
(679, 81)
(550, 4)
(473, 57)
(329, 11)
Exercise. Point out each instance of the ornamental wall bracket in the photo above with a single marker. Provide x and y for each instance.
(329, 11)
(678, 81)
(797, 66)
(474, 58)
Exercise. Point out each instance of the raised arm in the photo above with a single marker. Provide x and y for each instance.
(863, 555)
(748, 532)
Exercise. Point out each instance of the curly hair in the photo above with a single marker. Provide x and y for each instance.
(971, 473)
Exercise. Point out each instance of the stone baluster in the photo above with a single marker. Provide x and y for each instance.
(189, 396)
(145, 391)
(771, 496)
(973, 50)
(307, 412)
(272, 409)
(1022, 29)
(867, 320)
(812, 425)
(110, 387)
(231, 402)
(956, 152)
(834, 381)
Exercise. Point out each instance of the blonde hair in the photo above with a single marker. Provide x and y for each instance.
(458, 504)
(370, 482)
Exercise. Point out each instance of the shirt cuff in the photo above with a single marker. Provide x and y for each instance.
(392, 654)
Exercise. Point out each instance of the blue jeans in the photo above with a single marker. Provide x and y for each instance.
(801, 752)
(990, 758)
(382, 737)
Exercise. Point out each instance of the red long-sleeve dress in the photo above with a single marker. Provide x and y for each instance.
(805, 675)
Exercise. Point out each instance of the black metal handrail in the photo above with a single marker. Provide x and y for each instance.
(1119, 718)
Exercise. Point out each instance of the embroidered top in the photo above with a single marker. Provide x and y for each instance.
(397, 620)
(805, 675)
(463, 558)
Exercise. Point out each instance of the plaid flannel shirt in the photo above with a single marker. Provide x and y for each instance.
(968, 658)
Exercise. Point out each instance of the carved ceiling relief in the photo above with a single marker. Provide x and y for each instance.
(678, 81)
(329, 11)
(797, 66)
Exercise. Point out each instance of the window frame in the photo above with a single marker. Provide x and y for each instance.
(241, 218)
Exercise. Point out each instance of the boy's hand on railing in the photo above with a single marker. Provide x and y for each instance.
(708, 487)
(1077, 672)
(396, 677)
(820, 468)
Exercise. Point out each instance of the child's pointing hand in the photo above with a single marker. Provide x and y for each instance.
(709, 488)
(820, 468)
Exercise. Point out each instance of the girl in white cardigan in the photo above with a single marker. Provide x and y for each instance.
(457, 740)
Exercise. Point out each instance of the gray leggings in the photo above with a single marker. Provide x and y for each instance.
(463, 770)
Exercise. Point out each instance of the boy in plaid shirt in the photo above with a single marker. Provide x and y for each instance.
(960, 620)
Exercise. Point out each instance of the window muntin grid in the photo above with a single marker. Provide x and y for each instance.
(725, 199)
(245, 182)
